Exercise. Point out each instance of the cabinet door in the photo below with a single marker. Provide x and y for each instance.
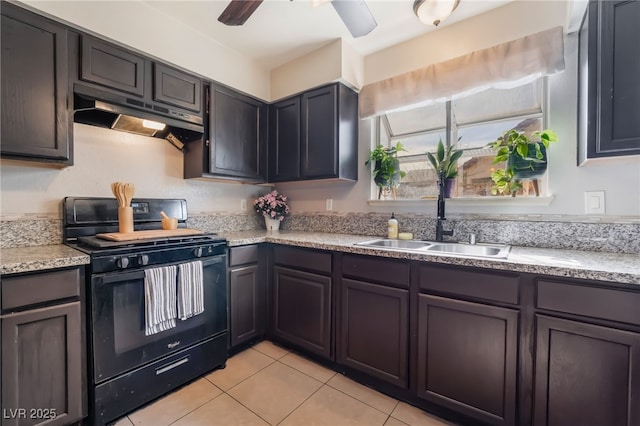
(319, 142)
(376, 344)
(302, 309)
(284, 141)
(613, 67)
(174, 87)
(246, 307)
(111, 66)
(467, 358)
(41, 366)
(36, 122)
(585, 374)
(238, 131)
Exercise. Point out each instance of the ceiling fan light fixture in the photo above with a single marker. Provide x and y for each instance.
(432, 12)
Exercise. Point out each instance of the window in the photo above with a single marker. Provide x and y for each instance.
(472, 121)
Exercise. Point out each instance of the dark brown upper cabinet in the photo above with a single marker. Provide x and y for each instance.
(36, 122)
(177, 88)
(235, 144)
(314, 135)
(111, 66)
(153, 85)
(609, 85)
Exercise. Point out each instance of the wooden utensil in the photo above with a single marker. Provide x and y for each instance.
(128, 193)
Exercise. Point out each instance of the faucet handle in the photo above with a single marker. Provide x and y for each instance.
(472, 238)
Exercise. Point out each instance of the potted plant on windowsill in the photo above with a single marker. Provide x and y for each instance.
(446, 161)
(526, 158)
(386, 168)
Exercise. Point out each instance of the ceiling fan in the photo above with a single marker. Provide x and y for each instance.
(354, 13)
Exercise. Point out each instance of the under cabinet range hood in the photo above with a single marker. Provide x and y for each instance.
(109, 110)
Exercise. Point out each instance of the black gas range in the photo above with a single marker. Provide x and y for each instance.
(127, 367)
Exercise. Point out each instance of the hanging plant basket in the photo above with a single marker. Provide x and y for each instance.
(530, 167)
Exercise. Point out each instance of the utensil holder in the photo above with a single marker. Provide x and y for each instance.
(125, 220)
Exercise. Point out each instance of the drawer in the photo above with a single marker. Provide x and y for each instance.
(243, 255)
(309, 259)
(376, 269)
(591, 301)
(474, 283)
(39, 288)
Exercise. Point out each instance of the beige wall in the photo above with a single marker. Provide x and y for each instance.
(155, 167)
(103, 156)
(137, 25)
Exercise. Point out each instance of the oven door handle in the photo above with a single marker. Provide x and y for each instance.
(122, 276)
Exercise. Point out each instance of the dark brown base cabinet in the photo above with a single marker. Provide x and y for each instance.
(247, 303)
(302, 299)
(467, 358)
(42, 349)
(586, 374)
(373, 318)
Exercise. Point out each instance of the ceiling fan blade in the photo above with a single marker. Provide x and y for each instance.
(356, 16)
(238, 11)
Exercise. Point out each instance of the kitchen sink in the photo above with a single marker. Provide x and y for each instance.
(481, 250)
(459, 249)
(396, 244)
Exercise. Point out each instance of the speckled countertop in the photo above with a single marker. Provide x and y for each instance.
(39, 258)
(614, 267)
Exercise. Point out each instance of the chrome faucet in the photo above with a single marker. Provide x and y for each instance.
(440, 231)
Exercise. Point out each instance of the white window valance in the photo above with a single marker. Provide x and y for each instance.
(502, 66)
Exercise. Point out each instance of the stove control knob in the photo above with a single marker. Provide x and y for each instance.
(143, 259)
(198, 252)
(122, 262)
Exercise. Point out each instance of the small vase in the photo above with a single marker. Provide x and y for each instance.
(527, 169)
(449, 185)
(272, 224)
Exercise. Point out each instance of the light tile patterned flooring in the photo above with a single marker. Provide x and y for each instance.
(269, 385)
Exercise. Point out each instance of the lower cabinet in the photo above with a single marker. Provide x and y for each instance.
(42, 350)
(302, 309)
(247, 301)
(373, 318)
(587, 366)
(586, 374)
(467, 358)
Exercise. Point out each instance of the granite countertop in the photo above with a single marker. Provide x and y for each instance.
(613, 267)
(39, 258)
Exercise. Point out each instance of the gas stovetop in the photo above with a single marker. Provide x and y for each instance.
(93, 243)
(84, 218)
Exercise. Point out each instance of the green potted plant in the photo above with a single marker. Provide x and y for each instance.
(386, 168)
(525, 156)
(446, 161)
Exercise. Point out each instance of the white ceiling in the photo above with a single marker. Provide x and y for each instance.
(282, 30)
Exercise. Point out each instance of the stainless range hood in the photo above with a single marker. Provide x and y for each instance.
(109, 110)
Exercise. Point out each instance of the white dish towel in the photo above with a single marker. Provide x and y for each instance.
(190, 290)
(160, 299)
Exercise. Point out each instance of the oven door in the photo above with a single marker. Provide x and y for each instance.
(117, 320)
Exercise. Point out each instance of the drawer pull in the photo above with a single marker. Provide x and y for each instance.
(171, 366)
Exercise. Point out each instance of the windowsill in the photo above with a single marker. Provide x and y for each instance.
(468, 201)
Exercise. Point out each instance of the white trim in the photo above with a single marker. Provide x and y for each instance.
(500, 201)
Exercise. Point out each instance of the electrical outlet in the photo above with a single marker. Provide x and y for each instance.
(594, 202)
(329, 204)
(243, 205)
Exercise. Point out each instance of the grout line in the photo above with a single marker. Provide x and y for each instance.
(197, 408)
(364, 402)
(300, 405)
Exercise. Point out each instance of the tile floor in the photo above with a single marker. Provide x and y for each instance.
(269, 385)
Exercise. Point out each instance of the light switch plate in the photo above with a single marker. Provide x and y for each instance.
(243, 205)
(329, 204)
(594, 202)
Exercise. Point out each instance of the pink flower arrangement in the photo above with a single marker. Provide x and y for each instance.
(272, 205)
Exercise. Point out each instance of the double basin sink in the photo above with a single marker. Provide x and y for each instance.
(498, 251)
